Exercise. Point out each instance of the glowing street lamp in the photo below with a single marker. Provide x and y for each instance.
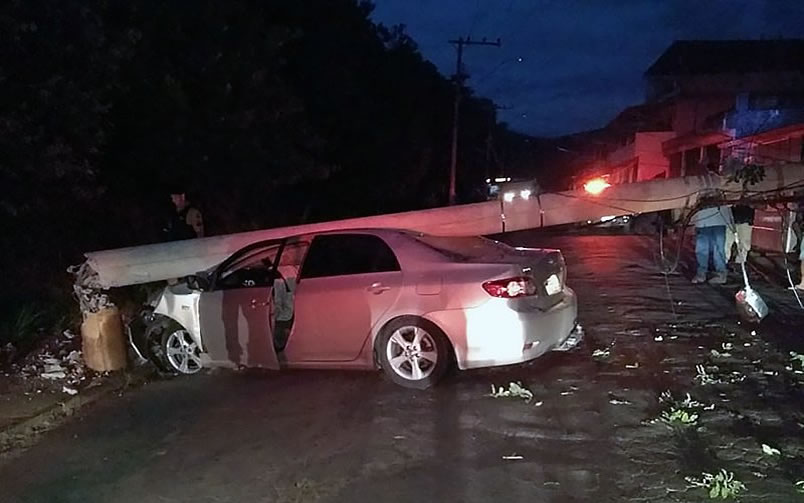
(596, 185)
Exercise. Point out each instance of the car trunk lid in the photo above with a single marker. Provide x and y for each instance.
(545, 267)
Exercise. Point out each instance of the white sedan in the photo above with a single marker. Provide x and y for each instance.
(410, 304)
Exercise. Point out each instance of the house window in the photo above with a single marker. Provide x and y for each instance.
(692, 162)
(675, 165)
(711, 158)
(786, 150)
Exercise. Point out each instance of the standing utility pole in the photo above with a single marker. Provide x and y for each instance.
(490, 150)
(459, 78)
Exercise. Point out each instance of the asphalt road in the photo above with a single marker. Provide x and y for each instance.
(585, 436)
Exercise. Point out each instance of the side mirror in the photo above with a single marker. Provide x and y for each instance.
(198, 282)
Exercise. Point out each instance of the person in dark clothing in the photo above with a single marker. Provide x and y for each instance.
(740, 233)
(187, 221)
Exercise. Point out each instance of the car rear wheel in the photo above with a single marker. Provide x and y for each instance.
(413, 352)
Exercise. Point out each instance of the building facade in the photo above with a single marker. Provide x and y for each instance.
(709, 103)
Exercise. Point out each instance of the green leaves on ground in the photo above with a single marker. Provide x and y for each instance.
(722, 485)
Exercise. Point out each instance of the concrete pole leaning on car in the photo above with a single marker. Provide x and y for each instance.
(159, 262)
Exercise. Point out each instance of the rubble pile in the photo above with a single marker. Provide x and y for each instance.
(59, 364)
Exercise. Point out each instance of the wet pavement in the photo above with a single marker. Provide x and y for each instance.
(588, 434)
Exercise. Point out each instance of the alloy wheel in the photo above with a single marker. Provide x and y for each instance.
(182, 352)
(412, 353)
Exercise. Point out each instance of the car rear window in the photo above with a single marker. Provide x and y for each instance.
(465, 248)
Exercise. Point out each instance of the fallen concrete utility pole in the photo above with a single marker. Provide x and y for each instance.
(157, 262)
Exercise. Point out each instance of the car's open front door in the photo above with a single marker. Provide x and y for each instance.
(236, 310)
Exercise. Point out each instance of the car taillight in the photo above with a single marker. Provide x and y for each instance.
(510, 288)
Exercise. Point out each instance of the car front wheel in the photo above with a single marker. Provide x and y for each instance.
(171, 347)
(181, 351)
(413, 352)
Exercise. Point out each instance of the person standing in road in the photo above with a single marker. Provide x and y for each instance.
(187, 222)
(710, 239)
(800, 221)
(740, 233)
(800, 285)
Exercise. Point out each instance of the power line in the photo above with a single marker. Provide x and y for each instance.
(459, 78)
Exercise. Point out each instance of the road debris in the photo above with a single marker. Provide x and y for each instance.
(513, 457)
(600, 353)
(53, 375)
(770, 451)
(515, 390)
(632, 365)
(56, 361)
(703, 377)
(69, 391)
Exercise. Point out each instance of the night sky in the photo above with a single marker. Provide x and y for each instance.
(581, 61)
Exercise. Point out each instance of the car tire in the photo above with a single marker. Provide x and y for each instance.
(406, 348)
(161, 333)
(181, 352)
(153, 342)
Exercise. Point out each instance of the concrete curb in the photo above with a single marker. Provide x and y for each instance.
(27, 432)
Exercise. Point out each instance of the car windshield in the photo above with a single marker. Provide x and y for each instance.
(465, 248)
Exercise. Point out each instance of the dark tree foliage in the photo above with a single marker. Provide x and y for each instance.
(268, 113)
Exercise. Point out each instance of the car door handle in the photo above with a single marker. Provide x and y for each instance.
(256, 303)
(378, 288)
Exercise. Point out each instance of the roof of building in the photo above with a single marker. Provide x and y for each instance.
(645, 117)
(689, 57)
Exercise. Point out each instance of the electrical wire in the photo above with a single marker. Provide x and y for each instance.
(787, 266)
(747, 197)
(793, 186)
(664, 272)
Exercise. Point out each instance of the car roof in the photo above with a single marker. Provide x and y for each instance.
(379, 231)
(410, 252)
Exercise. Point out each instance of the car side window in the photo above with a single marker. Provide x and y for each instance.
(347, 254)
(251, 270)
